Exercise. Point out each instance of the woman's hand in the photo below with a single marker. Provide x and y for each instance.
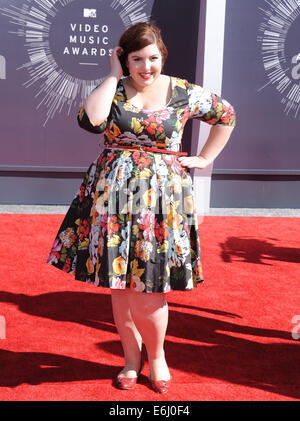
(115, 64)
(194, 161)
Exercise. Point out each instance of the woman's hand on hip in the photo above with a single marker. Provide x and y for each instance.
(194, 161)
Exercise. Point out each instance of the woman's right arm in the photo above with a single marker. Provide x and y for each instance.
(98, 104)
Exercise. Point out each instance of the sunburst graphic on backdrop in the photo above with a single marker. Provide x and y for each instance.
(281, 62)
(57, 87)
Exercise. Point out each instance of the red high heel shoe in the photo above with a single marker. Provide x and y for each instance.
(160, 386)
(127, 383)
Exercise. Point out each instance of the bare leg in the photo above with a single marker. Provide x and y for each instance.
(149, 312)
(130, 338)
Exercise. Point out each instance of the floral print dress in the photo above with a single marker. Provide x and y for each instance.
(133, 223)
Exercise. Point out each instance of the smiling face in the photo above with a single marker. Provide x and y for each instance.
(145, 65)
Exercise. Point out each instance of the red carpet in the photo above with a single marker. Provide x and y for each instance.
(229, 340)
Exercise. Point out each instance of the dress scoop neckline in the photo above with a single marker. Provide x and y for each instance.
(161, 108)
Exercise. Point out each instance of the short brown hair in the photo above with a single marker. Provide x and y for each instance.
(138, 36)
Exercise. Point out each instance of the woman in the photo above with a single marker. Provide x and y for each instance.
(132, 227)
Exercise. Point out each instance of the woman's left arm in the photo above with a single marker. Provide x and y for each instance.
(217, 139)
(216, 111)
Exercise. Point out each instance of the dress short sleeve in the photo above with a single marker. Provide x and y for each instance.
(209, 107)
(85, 123)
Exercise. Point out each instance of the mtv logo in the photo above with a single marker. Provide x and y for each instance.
(89, 13)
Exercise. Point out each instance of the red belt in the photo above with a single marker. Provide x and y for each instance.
(145, 148)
